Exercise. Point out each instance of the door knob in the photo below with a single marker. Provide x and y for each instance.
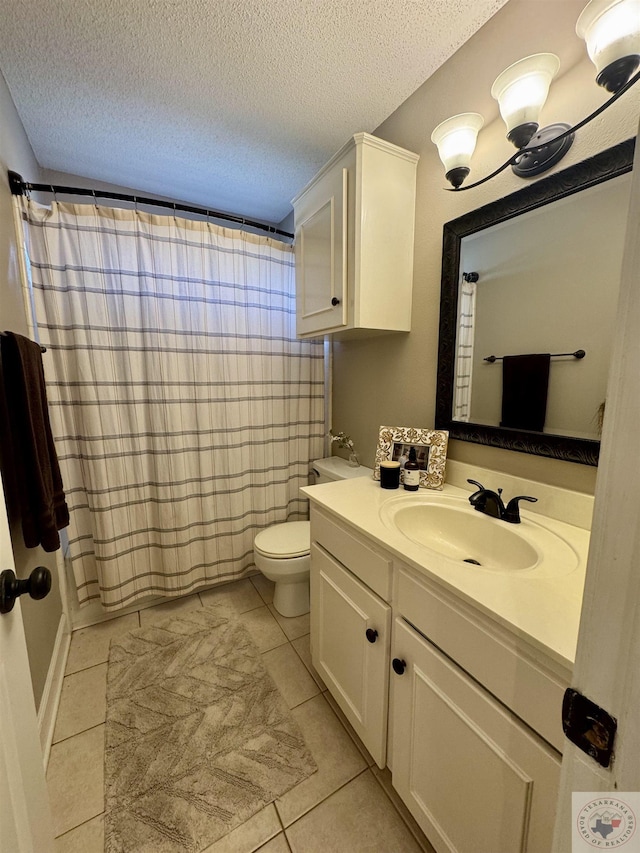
(335, 301)
(37, 585)
(372, 635)
(399, 666)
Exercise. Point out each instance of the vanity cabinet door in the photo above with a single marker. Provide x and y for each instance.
(350, 637)
(474, 777)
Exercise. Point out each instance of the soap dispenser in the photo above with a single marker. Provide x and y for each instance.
(411, 479)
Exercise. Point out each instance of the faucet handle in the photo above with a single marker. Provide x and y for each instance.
(476, 484)
(512, 512)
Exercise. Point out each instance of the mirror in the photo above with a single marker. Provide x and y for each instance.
(536, 272)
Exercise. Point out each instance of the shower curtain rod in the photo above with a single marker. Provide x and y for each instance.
(19, 187)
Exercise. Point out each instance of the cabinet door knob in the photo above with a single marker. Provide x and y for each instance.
(335, 301)
(398, 665)
(372, 635)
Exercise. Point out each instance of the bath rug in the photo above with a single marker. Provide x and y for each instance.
(198, 737)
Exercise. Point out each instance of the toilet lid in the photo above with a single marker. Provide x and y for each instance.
(291, 539)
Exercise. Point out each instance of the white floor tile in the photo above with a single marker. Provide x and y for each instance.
(90, 646)
(87, 838)
(290, 675)
(75, 778)
(293, 626)
(264, 586)
(301, 645)
(335, 753)
(83, 702)
(263, 628)
(358, 817)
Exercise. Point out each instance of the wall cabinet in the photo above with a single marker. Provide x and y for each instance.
(460, 710)
(354, 227)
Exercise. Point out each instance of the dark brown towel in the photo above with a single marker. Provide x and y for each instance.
(41, 500)
(525, 382)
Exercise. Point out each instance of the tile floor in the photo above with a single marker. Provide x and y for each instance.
(348, 805)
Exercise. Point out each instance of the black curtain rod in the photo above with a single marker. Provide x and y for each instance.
(19, 187)
(579, 353)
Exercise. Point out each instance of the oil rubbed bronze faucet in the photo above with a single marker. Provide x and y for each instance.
(491, 503)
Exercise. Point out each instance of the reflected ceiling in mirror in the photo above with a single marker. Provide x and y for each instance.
(548, 261)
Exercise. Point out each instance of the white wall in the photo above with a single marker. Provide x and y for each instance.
(392, 379)
(41, 618)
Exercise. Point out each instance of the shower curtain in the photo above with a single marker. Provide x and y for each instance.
(464, 351)
(185, 412)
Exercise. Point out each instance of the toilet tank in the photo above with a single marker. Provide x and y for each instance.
(335, 468)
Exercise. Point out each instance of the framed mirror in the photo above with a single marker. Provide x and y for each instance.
(534, 277)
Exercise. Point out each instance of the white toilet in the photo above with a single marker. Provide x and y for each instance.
(281, 551)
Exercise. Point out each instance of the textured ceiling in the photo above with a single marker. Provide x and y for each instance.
(233, 104)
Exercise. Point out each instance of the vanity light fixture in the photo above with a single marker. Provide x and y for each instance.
(611, 30)
(456, 140)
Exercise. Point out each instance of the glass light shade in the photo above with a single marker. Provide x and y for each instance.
(611, 29)
(456, 140)
(522, 88)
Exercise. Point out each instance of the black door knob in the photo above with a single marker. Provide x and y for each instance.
(372, 635)
(398, 665)
(335, 301)
(37, 585)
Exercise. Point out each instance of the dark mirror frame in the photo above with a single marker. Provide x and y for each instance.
(601, 167)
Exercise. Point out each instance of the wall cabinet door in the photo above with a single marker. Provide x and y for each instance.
(321, 256)
(350, 638)
(476, 779)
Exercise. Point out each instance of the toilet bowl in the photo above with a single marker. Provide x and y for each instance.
(281, 551)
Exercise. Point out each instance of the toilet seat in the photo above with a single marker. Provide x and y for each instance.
(284, 541)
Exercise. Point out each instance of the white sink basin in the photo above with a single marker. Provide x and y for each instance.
(452, 528)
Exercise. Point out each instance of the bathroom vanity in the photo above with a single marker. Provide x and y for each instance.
(451, 673)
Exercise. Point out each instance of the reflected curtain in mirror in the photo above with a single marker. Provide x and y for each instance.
(464, 351)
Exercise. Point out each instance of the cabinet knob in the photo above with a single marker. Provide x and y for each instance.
(398, 665)
(335, 301)
(372, 635)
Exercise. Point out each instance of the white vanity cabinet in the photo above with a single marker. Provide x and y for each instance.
(469, 712)
(354, 230)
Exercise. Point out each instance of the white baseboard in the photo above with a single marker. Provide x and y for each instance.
(50, 700)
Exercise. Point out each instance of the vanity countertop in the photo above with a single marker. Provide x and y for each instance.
(544, 610)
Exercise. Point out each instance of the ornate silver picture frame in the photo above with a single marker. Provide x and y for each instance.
(431, 450)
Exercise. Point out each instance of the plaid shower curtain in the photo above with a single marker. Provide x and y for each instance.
(184, 411)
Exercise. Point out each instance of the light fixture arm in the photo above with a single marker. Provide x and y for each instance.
(518, 154)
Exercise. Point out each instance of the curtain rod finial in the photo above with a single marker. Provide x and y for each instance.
(16, 184)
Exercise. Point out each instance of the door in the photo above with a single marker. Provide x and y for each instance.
(475, 778)
(25, 820)
(321, 255)
(350, 629)
(606, 668)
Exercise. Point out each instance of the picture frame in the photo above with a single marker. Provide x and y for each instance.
(431, 450)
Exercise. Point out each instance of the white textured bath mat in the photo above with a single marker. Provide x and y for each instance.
(198, 738)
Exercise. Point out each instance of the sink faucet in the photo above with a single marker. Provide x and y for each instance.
(491, 503)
